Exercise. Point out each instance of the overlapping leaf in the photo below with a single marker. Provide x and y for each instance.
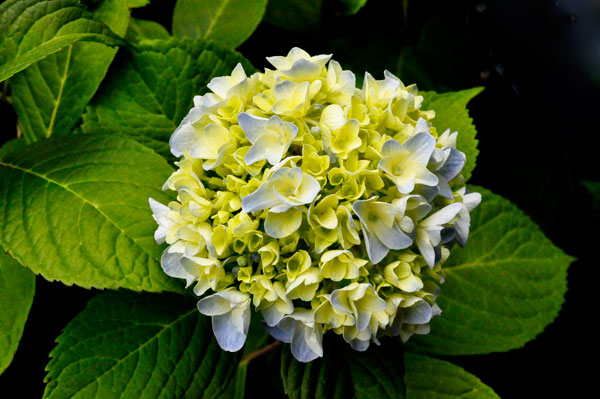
(140, 29)
(75, 209)
(227, 22)
(502, 289)
(31, 30)
(126, 345)
(346, 373)
(50, 95)
(17, 287)
(451, 113)
(153, 87)
(428, 378)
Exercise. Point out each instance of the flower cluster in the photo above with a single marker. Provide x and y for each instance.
(326, 206)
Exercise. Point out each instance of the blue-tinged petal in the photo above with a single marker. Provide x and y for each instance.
(359, 345)
(421, 146)
(307, 343)
(283, 331)
(231, 328)
(375, 248)
(419, 313)
(391, 237)
(454, 164)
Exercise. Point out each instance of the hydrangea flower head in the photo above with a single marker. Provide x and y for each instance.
(327, 207)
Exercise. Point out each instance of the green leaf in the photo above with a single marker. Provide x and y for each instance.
(502, 289)
(126, 345)
(152, 88)
(345, 373)
(75, 209)
(10, 146)
(17, 287)
(227, 22)
(353, 6)
(428, 378)
(140, 29)
(33, 29)
(301, 16)
(137, 3)
(451, 113)
(50, 96)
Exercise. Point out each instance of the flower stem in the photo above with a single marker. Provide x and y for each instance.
(259, 352)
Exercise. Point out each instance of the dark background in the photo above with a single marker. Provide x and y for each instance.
(538, 136)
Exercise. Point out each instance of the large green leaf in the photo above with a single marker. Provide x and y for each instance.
(227, 22)
(75, 209)
(127, 345)
(428, 378)
(502, 289)
(152, 89)
(51, 94)
(451, 113)
(33, 29)
(17, 286)
(346, 373)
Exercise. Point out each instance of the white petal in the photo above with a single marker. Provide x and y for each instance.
(308, 190)
(471, 200)
(421, 146)
(231, 328)
(182, 139)
(390, 147)
(253, 126)
(266, 147)
(263, 198)
(280, 225)
(333, 117)
(302, 69)
(214, 305)
(426, 248)
(426, 178)
(422, 127)
(171, 264)
(443, 216)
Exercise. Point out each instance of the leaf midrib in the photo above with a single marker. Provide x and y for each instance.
(215, 19)
(60, 93)
(83, 199)
(135, 350)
